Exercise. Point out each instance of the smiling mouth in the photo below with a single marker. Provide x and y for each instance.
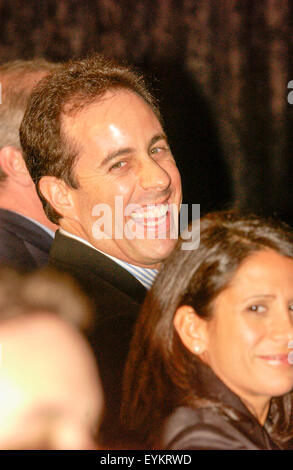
(151, 215)
(276, 359)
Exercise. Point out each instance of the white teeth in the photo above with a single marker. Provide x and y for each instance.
(151, 212)
(275, 360)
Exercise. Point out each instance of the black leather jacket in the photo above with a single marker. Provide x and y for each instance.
(208, 429)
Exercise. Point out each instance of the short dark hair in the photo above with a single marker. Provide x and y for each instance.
(46, 148)
(17, 78)
(160, 372)
(44, 290)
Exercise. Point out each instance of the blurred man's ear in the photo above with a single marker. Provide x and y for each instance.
(191, 329)
(13, 165)
(58, 194)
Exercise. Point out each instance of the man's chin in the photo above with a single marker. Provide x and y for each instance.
(151, 253)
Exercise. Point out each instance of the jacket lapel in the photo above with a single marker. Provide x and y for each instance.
(77, 255)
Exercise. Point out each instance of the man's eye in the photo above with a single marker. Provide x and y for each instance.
(156, 150)
(118, 165)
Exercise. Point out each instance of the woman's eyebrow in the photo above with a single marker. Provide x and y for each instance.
(256, 296)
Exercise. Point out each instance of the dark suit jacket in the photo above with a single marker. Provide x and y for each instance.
(207, 429)
(117, 297)
(23, 244)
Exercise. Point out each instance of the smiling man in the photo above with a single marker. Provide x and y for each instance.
(95, 147)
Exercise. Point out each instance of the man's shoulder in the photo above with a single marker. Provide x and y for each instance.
(100, 276)
(23, 244)
(23, 228)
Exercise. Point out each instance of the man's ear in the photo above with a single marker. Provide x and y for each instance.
(58, 194)
(191, 329)
(12, 163)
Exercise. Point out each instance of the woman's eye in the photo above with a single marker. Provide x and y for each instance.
(257, 308)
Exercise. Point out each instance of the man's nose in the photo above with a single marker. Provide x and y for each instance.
(153, 176)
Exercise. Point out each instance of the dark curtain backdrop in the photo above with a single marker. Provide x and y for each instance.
(220, 68)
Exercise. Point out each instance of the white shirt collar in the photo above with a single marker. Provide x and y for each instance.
(145, 276)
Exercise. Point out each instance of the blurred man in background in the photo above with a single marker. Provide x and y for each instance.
(50, 393)
(26, 234)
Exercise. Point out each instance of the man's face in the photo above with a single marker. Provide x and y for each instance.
(51, 396)
(125, 168)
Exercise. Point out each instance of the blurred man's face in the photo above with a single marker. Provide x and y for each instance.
(18, 190)
(124, 159)
(50, 395)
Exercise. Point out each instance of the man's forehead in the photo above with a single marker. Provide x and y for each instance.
(47, 336)
(77, 108)
(105, 120)
(79, 104)
(45, 348)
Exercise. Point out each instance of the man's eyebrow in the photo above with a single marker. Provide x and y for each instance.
(115, 154)
(158, 137)
(127, 150)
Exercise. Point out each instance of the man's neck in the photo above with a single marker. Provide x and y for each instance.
(72, 230)
(28, 207)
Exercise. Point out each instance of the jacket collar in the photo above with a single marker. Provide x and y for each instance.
(25, 229)
(218, 391)
(73, 253)
(209, 386)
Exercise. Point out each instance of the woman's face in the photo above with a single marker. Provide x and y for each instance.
(247, 339)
